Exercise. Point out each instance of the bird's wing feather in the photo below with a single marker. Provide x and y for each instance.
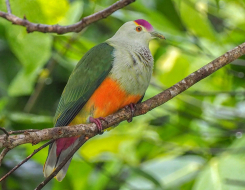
(89, 73)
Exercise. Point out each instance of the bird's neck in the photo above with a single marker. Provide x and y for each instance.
(131, 45)
(139, 50)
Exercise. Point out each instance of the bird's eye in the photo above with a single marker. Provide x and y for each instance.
(138, 28)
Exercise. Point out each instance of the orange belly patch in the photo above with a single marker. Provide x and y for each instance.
(108, 98)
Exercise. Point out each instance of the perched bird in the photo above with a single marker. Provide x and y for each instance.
(110, 76)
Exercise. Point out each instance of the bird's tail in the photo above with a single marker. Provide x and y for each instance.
(58, 151)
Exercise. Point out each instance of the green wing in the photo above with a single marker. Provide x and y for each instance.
(89, 73)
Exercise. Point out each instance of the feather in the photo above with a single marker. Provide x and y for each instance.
(89, 73)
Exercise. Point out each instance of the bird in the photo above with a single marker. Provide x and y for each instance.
(110, 76)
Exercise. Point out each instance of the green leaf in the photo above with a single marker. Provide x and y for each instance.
(168, 9)
(217, 3)
(73, 14)
(39, 11)
(148, 176)
(196, 22)
(172, 67)
(21, 121)
(227, 167)
(29, 118)
(166, 172)
(33, 51)
(101, 144)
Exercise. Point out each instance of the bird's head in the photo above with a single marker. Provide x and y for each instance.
(139, 31)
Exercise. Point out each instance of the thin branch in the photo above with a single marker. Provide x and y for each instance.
(77, 27)
(5, 131)
(26, 159)
(235, 182)
(3, 154)
(8, 6)
(91, 130)
(55, 172)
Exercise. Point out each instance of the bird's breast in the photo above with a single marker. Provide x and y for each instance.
(132, 69)
(108, 98)
(126, 83)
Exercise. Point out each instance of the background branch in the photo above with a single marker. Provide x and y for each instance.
(5, 131)
(90, 130)
(3, 154)
(24, 161)
(8, 6)
(55, 172)
(77, 27)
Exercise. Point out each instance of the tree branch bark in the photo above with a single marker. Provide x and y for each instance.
(90, 130)
(77, 27)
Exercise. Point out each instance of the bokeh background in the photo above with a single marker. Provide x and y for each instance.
(194, 141)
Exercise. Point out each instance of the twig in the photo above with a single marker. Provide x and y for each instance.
(91, 130)
(77, 27)
(8, 6)
(3, 154)
(26, 159)
(5, 131)
(235, 182)
(55, 172)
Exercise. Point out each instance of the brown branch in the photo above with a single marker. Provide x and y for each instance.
(5, 131)
(22, 131)
(90, 130)
(26, 159)
(55, 172)
(3, 154)
(77, 27)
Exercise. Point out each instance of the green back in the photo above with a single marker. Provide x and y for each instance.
(89, 73)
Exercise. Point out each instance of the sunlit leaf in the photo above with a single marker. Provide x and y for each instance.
(33, 51)
(197, 22)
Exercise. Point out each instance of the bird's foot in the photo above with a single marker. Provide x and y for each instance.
(98, 123)
(132, 108)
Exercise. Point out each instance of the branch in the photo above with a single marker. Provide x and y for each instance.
(25, 160)
(77, 27)
(55, 172)
(3, 154)
(90, 130)
(4, 130)
(22, 131)
(8, 6)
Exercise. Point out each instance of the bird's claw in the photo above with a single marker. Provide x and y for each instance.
(98, 123)
(132, 108)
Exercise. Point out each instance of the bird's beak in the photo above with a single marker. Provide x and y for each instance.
(155, 34)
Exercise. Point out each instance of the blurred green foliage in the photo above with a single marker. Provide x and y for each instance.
(194, 141)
